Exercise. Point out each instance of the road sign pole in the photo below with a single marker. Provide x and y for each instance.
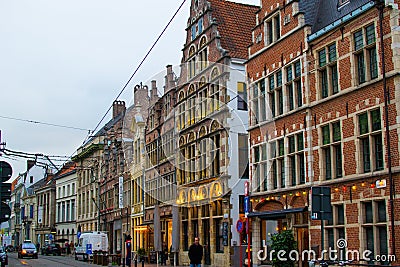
(322, 236)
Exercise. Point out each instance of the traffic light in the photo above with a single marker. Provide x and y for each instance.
(5, 191)
(5, 212)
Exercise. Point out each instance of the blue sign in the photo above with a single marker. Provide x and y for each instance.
(78, 234)
(246, 204)
(50, 237)
(239, 226)
(89, 249)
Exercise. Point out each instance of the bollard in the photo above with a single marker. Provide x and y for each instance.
(135, 262)
(142, 262)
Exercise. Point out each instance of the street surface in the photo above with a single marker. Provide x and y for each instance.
(54, 261)
(44, 261)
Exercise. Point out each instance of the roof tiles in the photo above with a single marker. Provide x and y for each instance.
(235, 24)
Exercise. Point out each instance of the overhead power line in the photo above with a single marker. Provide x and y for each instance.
(45, 123)
(141, 63)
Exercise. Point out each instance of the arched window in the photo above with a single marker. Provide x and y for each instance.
(203, 53)
(214, 73)
(192, 62)
(181, 111)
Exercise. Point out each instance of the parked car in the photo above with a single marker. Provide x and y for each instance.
(51, 249)
(3, 257)
(27, 250)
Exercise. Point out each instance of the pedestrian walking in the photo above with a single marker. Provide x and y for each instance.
(71, 247)
(196, 253)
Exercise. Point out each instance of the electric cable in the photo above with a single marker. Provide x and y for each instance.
(141, 63)
(44, 123)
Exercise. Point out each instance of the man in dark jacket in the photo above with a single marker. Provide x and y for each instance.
(195, 253)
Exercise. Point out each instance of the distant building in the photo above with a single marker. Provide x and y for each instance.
(160, 177)
(100, 163)
(24, 202)
(135, 157)
(66, 204)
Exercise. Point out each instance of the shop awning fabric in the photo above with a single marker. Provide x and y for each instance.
(275, 214)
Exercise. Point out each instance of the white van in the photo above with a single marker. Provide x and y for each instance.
(97, 241)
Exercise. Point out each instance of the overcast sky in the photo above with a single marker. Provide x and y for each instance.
(64, 62)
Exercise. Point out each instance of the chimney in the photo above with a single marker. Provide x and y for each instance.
(118, 108)
(30, 164)
(140, 95)
(169, 79)
(153, 93)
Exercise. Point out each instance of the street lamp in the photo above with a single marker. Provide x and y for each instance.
(380, 5)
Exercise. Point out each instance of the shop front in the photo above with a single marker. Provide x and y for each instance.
(271, 217)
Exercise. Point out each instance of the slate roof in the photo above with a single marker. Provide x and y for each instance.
(235, 24)
(321, 13)
(106, 127)
(310, 9)
(38, 184)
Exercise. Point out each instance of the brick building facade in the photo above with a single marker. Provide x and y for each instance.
(318, 70)
(160, 177)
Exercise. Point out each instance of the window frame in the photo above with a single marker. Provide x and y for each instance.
(365, 54)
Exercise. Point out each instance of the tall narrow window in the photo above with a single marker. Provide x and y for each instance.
(365, 54)
(327, 71)
(374, 226)
(272, 29)
(331, 149)
(243, 156)
(242, 96)
(296, 159)
(370, 140)
(293, 86)
(192, 62)
(203, 53)
(277, 163)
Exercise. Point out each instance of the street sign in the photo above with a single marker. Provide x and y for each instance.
(5, 171)
(89, 249)
(78, 234)
(50, 237)
(5, 212)
(246, 204)
(239, 226)
(321, 208)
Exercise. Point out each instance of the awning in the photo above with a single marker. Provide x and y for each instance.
(275, 214)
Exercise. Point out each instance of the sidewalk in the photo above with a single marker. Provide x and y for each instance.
(139, 264)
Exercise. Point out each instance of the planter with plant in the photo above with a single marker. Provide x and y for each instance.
(141, 252)
(283, 241)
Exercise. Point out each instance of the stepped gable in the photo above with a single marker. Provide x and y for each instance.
(235, 24)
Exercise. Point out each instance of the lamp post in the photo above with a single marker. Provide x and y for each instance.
(380, 4)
